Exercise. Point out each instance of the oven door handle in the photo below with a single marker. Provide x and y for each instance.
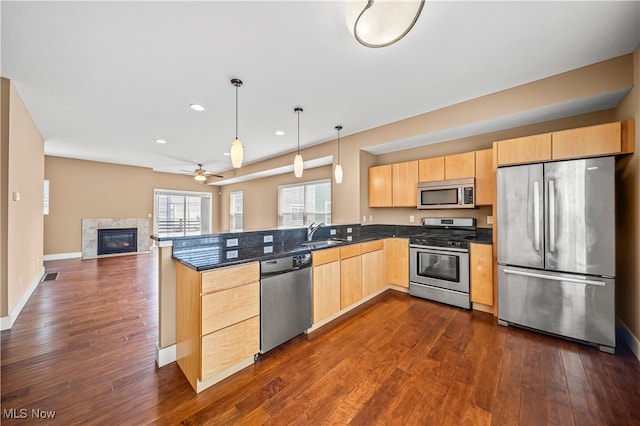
(439, 249)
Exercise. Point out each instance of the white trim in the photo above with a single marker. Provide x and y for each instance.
(627, 336)
(7, 322)
(166, 355)
(59, 256)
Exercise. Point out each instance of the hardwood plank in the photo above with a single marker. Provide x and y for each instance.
(84, 346)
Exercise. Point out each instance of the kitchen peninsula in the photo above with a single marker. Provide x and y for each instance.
(196, 270)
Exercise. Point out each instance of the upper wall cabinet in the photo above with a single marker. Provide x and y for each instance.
(405, 184)
(485, 177)
(529, 149)
(393, 185)
(456, 166)
(380, 186)
(431, 169)
(460, 166)
(593, 141)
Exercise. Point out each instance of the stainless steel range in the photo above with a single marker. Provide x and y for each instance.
(439, 260)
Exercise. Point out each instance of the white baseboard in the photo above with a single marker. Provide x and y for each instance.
(7, 322)
(632, 341)
(166, 355)
(59, 256)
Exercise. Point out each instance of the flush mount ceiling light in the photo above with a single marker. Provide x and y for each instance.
(338, 170)
(237, 151)
(196, 107)
(380, 23)
(298, 164)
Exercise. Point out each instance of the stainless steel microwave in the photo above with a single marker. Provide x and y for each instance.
(447, 194)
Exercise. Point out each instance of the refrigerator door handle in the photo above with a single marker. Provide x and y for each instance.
(552, 217)
(536, 215)
(555, 278)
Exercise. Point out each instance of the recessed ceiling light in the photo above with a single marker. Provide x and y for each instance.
(280, 133)
(161, 141)
(196, 107)
(227, 153)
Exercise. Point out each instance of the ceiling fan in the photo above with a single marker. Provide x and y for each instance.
(201, 174)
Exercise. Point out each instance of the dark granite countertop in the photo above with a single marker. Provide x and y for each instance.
(213, 251)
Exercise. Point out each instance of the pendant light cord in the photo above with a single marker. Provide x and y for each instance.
(236, 111)
(298, 111)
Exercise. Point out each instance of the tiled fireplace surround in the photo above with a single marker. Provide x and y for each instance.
(90, 233)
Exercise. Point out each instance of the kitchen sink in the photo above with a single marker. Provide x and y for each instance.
(322, 243)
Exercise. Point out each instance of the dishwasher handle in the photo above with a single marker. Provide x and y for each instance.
(284, 264)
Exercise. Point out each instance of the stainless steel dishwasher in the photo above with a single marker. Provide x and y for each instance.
(285, 299)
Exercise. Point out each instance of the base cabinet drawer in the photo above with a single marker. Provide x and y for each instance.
(229, 346)
(224, 308)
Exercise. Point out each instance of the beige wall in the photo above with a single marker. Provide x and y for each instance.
(88, 189)
(401, 215)
(260, 198)
(628, 217)
(22, 223)
(4, 192)
(593, 80)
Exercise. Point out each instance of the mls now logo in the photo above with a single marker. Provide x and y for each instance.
(23, 413)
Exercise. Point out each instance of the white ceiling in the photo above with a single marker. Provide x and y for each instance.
(103, 80)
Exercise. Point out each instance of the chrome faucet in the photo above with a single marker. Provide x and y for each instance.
(311, 229)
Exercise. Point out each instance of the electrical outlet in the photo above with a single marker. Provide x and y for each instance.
(489, 220)
(364, 219)
(412, 218)
(370, 218)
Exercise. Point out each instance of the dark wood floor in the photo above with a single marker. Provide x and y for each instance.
(84, 347)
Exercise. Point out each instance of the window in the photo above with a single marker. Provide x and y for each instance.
(235, 210)
(179, 213)
(302, 204)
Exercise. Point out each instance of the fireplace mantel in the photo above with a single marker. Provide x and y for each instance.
(90, 228)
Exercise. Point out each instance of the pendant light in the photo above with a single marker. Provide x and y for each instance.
(298, 165)
(338, 170)
(237, 152)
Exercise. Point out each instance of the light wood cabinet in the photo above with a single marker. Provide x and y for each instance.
(431, 169)
(217, 320)
(393, 185)
(481, 273)
(456, 166)
(372, 267)
(528, 149)
(380, 186)
(604, 139)
(485, 178)
(396, 254)
(350, 275)
(405, 184)
(460, 166)
(591, 141)
(326, 283)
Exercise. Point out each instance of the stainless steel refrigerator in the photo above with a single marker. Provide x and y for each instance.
(556, 249)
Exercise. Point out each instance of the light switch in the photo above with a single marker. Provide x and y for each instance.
(16, 196)
(489, 220)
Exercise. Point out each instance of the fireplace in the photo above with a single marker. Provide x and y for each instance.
(117, 240)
